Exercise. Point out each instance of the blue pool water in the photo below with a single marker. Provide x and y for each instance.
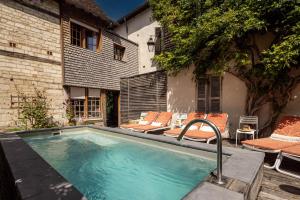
(111, 168)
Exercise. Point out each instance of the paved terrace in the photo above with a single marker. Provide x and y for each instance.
(277, 186)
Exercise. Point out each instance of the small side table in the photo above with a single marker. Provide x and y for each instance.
(239, 131)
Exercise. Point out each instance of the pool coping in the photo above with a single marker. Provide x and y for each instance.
(242, 171)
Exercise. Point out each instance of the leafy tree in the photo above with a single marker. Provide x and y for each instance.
(258, 41)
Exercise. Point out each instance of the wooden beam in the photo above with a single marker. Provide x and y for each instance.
(86, 103)
(103, 106)
(99, 41)
(119, 110)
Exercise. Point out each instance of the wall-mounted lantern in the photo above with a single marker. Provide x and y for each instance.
(151, 44)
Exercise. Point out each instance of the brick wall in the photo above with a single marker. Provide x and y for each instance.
(85, 68)
(35, 29)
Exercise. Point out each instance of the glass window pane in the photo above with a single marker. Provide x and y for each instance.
(93, 107)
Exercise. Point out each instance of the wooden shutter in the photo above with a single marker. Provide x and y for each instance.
(202, 95)
(99, 41)
(157, 40)
(83, 38)
(215, 94)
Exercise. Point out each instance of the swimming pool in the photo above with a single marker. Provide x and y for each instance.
(102, 165)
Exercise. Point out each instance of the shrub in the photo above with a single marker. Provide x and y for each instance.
(34, 111)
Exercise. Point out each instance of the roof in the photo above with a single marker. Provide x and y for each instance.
(90, 6)
(135, 12)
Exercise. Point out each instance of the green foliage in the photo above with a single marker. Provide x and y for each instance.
(13, 129)
(284, 54)
(35, 111)
(70, 112)
(210, 33)
(256, 40)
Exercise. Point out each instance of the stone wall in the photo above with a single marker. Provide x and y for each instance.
(34, 29)
(86, 68)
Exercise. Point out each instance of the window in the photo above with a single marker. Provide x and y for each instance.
(119, 52)
(85, 38)
(94, 107)
(76, 34)
(91, 40)
(209, 94)
(78, 107)
(85, 102)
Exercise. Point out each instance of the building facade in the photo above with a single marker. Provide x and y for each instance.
(212, 93)
(140, 27)
(30, 56)
(67, 49)
(94, 60)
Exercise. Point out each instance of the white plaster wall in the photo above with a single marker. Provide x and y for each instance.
(140, 28)
(182, 94)
(234, 93)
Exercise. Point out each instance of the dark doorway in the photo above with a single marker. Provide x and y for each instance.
(112, 106)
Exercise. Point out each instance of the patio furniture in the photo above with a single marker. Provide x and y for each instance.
(147, 119)
(293, 153)
(180, 119)
(162, 122)
(191, 116)
(205, 133)
(285, 135)
(247, 120)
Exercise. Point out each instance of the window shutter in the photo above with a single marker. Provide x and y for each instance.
(157, 40)
(215, 94)
(83, 38)
(201, 100)
(99, 41)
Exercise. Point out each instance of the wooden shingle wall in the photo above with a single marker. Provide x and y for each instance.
(142, 93)
(86, 68)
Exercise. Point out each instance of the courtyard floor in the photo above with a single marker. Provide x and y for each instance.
(277, 186)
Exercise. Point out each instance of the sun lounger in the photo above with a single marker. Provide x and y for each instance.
(149, 118)
(191, 116)
(162, 122)
(205, 133)
(293, 153)
(286, 134)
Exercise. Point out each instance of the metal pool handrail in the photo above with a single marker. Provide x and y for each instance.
(219, 144)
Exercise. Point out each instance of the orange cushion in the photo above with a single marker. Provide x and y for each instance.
(146, 127)
(164, 118)
(192, 116)
(293, 150)
(268, 143)
(151, 116)
(175, 131)
(288, 126)
(200, 134)
(129, 125)
(219, 119)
